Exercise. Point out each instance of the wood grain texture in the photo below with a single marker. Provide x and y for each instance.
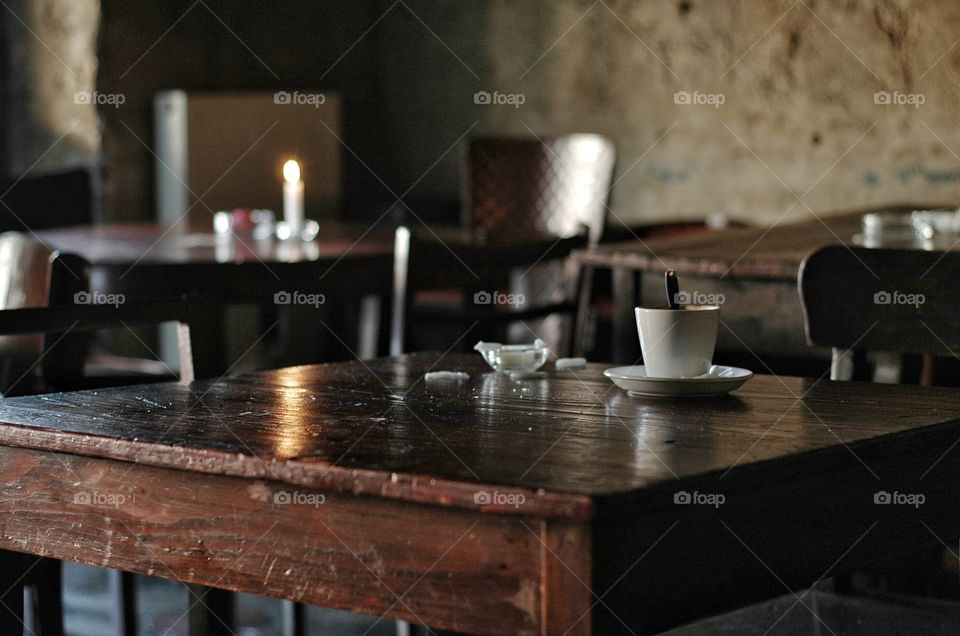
(566, 582)
(449, 568)
(566, 443)
(490, 507)
(757, 252)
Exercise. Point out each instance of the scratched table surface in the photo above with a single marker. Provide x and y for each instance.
(490, 506)
(567, 439)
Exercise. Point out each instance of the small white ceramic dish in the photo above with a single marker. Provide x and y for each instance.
(718, 380)
(524, 358)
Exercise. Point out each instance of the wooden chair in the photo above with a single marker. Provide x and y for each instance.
(527, 202)
(537, 187)
(33, 275)
(881, 300)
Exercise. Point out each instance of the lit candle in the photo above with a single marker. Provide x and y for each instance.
(293, 197)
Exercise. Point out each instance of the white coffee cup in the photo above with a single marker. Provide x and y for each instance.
(678, 343)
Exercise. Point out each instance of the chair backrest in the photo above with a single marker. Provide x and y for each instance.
(534, 187)
(47, 201)
(80, 318)
(25, 266)
(886, 300)
(478, 269)
(45, 319)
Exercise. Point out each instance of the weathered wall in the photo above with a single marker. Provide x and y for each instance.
(49, 119)
(797, 81)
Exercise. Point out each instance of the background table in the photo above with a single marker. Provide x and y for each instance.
(489, 507)
(755, 269)
(145, 261)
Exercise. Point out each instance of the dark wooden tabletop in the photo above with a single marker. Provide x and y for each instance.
(571, 441)
(538, 506)
(755, 252)
(124, 244)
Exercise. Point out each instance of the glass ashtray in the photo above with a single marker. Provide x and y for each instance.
(525, 358)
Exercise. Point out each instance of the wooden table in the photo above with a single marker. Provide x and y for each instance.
(755, 270)
(144, 261)
(150, 259)
(541, 506)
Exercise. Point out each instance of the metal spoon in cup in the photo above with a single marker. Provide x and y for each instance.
(673, 289)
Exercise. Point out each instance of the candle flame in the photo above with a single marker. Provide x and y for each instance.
(291, 171)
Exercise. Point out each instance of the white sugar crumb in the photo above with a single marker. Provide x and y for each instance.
(571, 363)
(446, 376)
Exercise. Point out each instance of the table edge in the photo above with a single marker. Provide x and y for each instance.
(306, 473)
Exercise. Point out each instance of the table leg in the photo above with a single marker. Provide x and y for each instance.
(208, 333)
(211, 612)
(625, 298)
(47, 581)
(294, 619)
(11, 593)
(567, 601)
(123, 591)
(580, 328)
(369, 321)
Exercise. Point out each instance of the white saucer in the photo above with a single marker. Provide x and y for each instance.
(719, 380)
